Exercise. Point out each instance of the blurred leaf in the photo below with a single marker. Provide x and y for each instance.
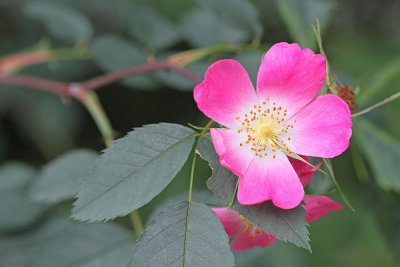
(133, 171)
(16, 211)
(184, 234)
(61, 21)
(382, 84)
(251, 61)
(112, 53)
(62, 242)
(286, 225)
(151, 28)
(382, 151)
(240, 14)
(299, 15)
(202, 28)
(59, 180)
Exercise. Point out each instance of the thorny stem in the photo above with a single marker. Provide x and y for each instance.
(387, 100)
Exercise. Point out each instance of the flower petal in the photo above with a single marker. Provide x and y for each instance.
(322, 128)
(318, 206)
(232, 156)
(291, 76)
(225, 93)
(303, 170)
(231, 221)
(246, 241)
(268, 178)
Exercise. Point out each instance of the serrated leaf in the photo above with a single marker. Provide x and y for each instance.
(184, 235)
(133, 171)
(299, 15)
(16, 211)
(113, 53)
(61, 21)
(59, 180)
(286, 225)
(151, 28)
(61, 242)
(382, 151)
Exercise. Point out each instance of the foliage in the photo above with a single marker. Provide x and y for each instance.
(66, 41)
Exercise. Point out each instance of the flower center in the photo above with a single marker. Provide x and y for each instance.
(265, 128)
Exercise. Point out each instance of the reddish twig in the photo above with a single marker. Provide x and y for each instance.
(94, 83)
(37, 83)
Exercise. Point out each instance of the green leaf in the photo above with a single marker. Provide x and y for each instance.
(16, 211)
(184, 234)
(384, 82)
(286, 225)
(59, 180)
(61, 242)
(133, 171)
(202, 28)
(61, 21)
(112, 53)
(151, 28)
(382, 151)
(251, 61)
(240, 14)
(299, 15)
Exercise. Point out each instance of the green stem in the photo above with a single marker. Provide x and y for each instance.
(136, 222)
(192, 178)
(233, 195)
(92, 104)
(383, 102)
(90, 100)
(332, 175)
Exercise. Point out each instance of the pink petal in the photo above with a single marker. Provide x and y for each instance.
(225, 93)
(232, 156)
(303, 170)
(318, 206)
(231, 221)
(322, 129)
(246, 241)
(291, 76)
(268, 178)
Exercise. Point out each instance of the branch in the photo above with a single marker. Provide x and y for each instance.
(94, 83)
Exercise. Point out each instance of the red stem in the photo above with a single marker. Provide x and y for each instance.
(94, 83)
(37, 83)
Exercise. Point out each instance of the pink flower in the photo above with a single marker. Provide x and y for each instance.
(248, 235)
(285, 112)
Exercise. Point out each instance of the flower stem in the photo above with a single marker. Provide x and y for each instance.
(136, 222)
(383, 102)
(233, 195)
(192, 177)
(332, 175)
(206, 128)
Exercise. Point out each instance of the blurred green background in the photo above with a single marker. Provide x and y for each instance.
(362, 42)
